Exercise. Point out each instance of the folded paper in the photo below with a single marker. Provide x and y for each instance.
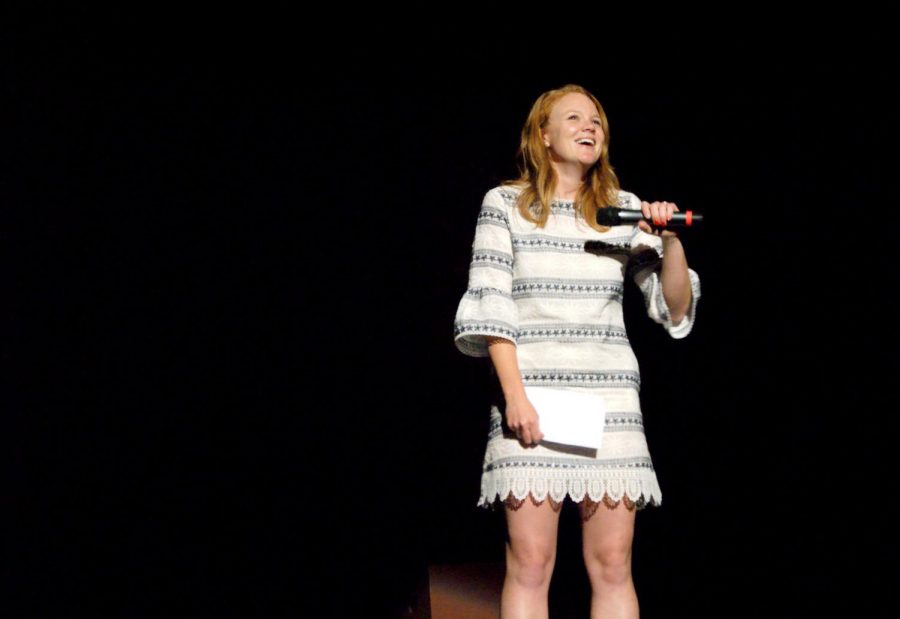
(569, 417)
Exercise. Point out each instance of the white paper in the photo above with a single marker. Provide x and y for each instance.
(569, 417)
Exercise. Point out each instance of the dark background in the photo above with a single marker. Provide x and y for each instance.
(236, 252)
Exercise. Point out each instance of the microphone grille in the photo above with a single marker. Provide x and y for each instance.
(608, 216)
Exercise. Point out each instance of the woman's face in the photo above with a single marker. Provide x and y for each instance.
(573, 133)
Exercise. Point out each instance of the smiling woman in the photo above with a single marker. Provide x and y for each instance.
(564, 154)
(549, 313)
(574, 136)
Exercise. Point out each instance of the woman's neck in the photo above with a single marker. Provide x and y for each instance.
(567, 192)
(567, 183)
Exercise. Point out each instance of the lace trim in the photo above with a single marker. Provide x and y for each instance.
(637, 492)
(590, 507)
(514, 504)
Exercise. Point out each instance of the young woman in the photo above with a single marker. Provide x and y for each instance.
(548, 312)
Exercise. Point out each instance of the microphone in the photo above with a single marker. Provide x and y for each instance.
(611, 216)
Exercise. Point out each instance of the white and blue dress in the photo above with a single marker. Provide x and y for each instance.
(560, 301)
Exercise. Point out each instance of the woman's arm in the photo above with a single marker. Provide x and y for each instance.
(521, 417)
(676, 283)
(673, 277)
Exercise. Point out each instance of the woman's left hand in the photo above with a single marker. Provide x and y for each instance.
(660, 213)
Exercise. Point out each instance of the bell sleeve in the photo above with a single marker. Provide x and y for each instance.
(487, 308)
(644, 267)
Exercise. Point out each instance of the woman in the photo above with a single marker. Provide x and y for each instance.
(548, 312)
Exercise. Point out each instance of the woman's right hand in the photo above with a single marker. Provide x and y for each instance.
(522, 418)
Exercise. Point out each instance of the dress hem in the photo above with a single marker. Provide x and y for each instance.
(642, 492)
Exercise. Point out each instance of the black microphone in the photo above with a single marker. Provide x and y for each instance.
(611, 216)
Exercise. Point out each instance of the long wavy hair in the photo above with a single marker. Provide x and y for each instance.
(537, 178)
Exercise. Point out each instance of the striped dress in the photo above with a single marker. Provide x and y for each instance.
(560, 301)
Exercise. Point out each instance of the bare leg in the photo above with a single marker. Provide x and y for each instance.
(530, 555)
(607, 535)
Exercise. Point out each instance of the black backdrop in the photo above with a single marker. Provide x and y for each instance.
(237, 253)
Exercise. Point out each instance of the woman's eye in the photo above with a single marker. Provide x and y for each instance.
(597, 121)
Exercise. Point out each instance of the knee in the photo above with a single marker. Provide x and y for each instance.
(530, 569)
(610, 567)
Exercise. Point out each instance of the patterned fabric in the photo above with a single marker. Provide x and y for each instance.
(556, 292)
